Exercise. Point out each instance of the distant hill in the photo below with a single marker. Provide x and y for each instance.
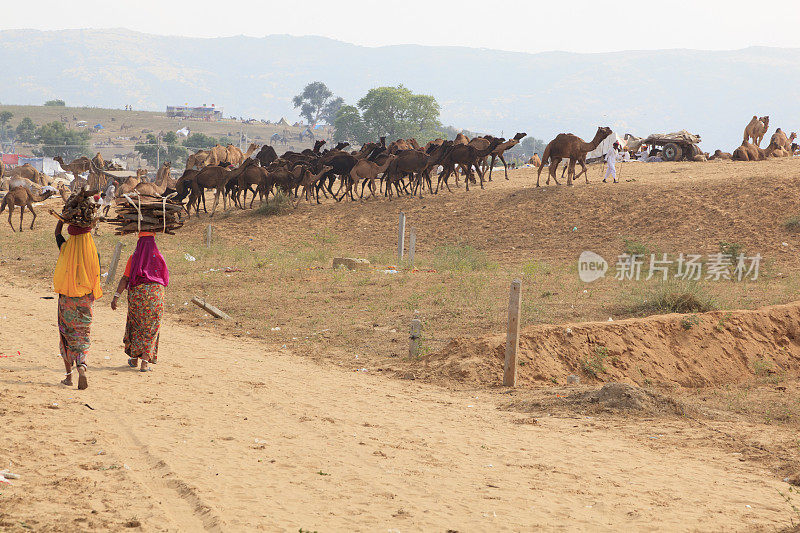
(710, 93)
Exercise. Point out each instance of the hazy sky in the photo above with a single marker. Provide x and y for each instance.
(520, 25)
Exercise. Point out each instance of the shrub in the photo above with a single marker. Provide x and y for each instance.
(670, 297)
(460, 258)
(280, 203)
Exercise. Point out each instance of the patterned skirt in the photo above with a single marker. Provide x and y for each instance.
(145, 309)
(74, 322)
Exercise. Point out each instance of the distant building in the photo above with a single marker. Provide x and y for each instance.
(200, 113)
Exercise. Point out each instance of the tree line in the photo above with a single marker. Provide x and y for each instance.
(393, 112)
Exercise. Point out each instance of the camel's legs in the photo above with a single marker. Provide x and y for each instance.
(216, 201)
(570, 171)
(11, 212)
(21, 213)
(30, 208)
(505, 165)
(554, 162)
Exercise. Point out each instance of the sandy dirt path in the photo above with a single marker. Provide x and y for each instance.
(227, 436)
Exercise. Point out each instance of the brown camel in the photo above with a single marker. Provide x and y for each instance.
(369, 171)
(309, 182)
(719, 155)
(217, 178)
(534, 160)
(501, 149)
(572, 147)
(461, 139)
(78, 166)
(468, 157)
(780, 139)
(751, 152)
(755, 130)
(22, 197)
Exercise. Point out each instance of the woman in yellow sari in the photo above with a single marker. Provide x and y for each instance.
(77, 282)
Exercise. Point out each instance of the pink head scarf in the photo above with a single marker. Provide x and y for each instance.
(147, 263)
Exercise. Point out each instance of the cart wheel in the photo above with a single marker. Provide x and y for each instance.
(671, 152)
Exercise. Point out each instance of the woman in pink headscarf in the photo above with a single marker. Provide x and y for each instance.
(145, 278)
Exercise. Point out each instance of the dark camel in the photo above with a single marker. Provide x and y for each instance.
(572, 147)
(501, 149)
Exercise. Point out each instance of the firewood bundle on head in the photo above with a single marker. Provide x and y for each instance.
(80, 209)
(147, 213)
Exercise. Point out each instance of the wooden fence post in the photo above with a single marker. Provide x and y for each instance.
(412, 245)
(208, 236)
(512, 337)
(112, 268)
(415, 338)
(401, 237)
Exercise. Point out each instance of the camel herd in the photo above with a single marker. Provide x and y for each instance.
(401, 167)
(750, 150)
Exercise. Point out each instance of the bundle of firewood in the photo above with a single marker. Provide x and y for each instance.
(80, 209)
(147, 213)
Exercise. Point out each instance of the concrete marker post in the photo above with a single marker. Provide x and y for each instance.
(512, 336)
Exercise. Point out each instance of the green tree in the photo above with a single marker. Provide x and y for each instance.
(55, 103)
(197, 141)
(157, 151)
(26, 131)
(396, 112)
(348, 126)
(5, 116)
(317, 102)
(56, 140)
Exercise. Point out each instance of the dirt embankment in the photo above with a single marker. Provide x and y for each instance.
(691, 350)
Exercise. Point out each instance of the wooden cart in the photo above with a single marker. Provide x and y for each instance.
(676, 146)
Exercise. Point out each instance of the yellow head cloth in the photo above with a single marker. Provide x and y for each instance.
(78, 268)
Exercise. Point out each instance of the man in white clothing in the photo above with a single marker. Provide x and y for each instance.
(611, 159)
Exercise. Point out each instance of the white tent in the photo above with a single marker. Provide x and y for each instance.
(604, 146)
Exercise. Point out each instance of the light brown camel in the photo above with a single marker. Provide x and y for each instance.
(572, 147)
(755, 130)
(28, 171)
(236, 157)
(367, 170)
(534, 160)
(163, 172)
(99, 162)
(461, 139)
(719, 155)
(780, 139)
(64, 192)
(750, 152)
(501, 149)
(78, 166)
(22, 197)
(197, 159)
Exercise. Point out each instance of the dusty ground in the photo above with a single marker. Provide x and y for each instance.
(308, 343)
(228, 436)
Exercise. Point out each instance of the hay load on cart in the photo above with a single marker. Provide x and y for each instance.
(676, 146)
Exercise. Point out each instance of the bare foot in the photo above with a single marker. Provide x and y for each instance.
(67, 380)
(82, 381)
